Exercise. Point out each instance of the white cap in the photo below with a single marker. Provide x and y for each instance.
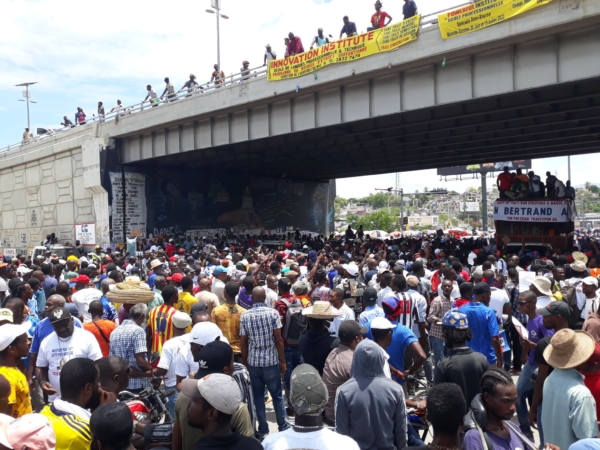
(83, 259)
(592, 281)
(383, 265)
(381, 323)
(203, 333)
(23, 270)
(9, 332)
(220, 390)
(181, 320)
(352, 269)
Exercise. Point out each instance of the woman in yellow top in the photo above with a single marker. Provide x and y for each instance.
(14, 345)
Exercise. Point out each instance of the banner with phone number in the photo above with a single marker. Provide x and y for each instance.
(345, 50)
(482, 14)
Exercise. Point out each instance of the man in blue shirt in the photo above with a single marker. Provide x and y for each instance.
(409, 9)
(371, 310)
(483, 323)
(349, 28)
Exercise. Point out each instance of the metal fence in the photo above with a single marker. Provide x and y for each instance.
(185, 93)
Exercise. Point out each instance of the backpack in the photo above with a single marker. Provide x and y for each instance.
(569, 295)
(295, 322)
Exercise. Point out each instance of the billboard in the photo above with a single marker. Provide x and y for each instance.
(524, 164)
(469, 206)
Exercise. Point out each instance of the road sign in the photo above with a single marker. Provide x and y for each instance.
(469, 206)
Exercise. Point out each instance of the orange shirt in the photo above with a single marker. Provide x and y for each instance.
(160, 321)
(101, 329)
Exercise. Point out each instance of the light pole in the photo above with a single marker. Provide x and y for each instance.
(216, 9)
(26, 95)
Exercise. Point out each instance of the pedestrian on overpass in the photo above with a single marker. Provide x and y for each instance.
(319, 40)
(169, 89)
(294, 45)
(409, 9)
(349, 28)
(378, 20)
(151, 95)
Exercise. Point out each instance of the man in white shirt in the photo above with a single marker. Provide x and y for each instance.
(84, 296)
(270, 54)
(65, 343)
(168, 357)
(337, 301)
(218, 284)
(589, 287)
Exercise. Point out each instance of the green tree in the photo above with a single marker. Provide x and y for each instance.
(379, 220)
(339, 204)
(443, 218)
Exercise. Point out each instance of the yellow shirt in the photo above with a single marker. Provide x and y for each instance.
(19, 391)
(72, 432)
(227, 318)
(185, 303)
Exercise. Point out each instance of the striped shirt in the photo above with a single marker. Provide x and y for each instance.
(160, 321)
(258, 324)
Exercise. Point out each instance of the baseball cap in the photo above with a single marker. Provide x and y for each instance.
(219, 270)
(9, 332)
(181, 250)
(58, 315)
(308, 393)
(240, 266)
(412, 281)
(284, 283)
(369, 297)
(219, 390)
(24, 270)
(559, 308)
(213, 357)
(381, 323)
(177, 277)
(203, 333)
(349, 330)
(592, 281)
(352, 269)
(29, 431)
(455, 319)
(84, 279)
(482, 288)
(6, 315)
(181, 320)
(111, 423)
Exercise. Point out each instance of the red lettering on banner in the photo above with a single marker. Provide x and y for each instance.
(370, 35)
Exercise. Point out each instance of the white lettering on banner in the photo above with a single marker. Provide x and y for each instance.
(533, 210)
(135, 204)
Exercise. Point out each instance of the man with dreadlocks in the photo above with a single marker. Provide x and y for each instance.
(462, 366)
(490, 414)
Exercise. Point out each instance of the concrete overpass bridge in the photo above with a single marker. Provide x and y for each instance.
(525, 88)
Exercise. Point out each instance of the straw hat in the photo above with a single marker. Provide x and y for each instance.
(132, 291)
(155, 263)
(321, 310)
(578, 256)
(544, 285)
(569, 349)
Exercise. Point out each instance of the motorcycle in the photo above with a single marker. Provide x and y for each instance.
(150, 404)
(415, 417)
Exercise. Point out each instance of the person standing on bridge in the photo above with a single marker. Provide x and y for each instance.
(270, 55)
(349, 28)
(66, 122)
(169, 89)
(218, 76)
(320, 39)
(409, 9)
(119, 108)
(27, 136)
(294, 45)
(80, 116)
(191, 85)
(101, 111)
(151, 95)
(378, 19)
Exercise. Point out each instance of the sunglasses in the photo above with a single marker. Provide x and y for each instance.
(523, 303)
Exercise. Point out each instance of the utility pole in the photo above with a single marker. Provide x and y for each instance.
(484, 201)
(216, 5)
(27, 100)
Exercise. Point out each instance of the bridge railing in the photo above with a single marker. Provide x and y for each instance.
(184, 93)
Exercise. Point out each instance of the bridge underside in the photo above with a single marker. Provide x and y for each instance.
(554, 120)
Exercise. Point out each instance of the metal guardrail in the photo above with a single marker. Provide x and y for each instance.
(185, 93)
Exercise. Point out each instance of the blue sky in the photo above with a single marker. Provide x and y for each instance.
(81, 54)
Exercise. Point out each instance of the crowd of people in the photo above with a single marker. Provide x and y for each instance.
(518, 186)
(337, 334)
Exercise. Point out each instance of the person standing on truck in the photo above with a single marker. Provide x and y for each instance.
(504, 182)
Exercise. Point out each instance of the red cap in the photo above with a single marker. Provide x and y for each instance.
(588, 254)
(84, 279)
(570, 258)
(182, 251)
(177, 277)
(173, 258)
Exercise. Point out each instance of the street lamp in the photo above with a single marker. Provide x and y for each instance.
(216, 9)
(26, 95)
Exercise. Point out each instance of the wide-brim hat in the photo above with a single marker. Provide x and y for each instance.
(569, 349)
(321, 310)
(543, 285)
(155, 263)
(579, 256)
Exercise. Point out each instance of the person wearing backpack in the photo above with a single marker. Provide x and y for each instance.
(293, 325)
(316, 344)
(572, 293)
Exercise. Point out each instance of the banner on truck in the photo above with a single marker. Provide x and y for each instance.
(533, 210)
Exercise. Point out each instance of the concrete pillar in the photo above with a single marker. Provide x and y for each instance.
(92, 182)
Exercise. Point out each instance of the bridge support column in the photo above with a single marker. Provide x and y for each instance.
(92, 181)
(484, 212)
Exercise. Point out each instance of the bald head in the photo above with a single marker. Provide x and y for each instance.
(106, 283)
(259, 295)
(96, 309)
(204, 284)
(488, 274)
(57, 300)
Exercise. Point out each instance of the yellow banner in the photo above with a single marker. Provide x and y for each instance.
(344, 50)
(481, 14)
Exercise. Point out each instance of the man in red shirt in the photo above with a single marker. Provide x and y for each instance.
(294, 46)
(504, 182)
(378, 19)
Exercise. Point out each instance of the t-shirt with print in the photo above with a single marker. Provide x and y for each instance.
(537, 331)
(55, 352)
(322, 439)
(19, 391)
